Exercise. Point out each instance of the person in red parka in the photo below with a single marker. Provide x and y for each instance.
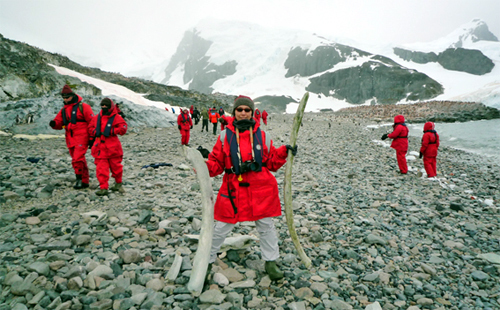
(399, 138)
(107, 148)
(191, 110)
(249, 191)
(257, 115)
(74, 118)
(185, 124)
(264, 117)
(429, 149)
(213, 116)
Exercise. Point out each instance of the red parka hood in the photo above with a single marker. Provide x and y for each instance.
(112, 110)
(429, 126)
(398, 119)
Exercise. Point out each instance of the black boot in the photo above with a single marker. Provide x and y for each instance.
(78, 184)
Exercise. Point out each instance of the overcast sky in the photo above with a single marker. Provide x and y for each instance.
(80, 29)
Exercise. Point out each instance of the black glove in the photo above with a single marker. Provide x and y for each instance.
(91, 142)
(179, 126)
(52, 123)
(384, 136)
(292, 148)
(191, 127)
(421, 155)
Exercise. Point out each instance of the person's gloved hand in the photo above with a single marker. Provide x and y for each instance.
(191, 127)
(179, 126)
(292, 148)
(384, 136)
(91, 142)
(52, 123)
(421, 155)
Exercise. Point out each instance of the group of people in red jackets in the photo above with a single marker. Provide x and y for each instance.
(100, 132)
(185, 122)
(428, 149)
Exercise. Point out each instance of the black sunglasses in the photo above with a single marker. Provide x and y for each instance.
(66, 97)
(246, 110)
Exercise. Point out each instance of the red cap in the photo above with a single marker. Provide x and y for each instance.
(66, 90)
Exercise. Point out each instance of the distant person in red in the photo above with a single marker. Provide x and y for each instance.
(185, 124)
(429, 149)
(107, 148)
(191, 110)
(399, 138)
(74, 118)
(117, 106)
(257, 115)
(264, 117)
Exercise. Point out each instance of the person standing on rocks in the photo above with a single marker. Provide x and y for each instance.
(257, 115)
(204, 115)
(214, 119)
(429, 149)
(399, 137)
(196, 116)
(264, 117)
(74, 118)
(185, 124)
(107, 148)
(249, 191)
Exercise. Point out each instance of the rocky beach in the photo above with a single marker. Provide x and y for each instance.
(377, 239)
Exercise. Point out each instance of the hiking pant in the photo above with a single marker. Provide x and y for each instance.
(401, 156)
(79, 162)
(185, 137)
(104, 165)
(215, 128)
(204, 124)
(267, 237)
(430, 166)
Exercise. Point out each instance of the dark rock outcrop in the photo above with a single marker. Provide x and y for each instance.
(457, 59)
(192, 53)
(379, 78)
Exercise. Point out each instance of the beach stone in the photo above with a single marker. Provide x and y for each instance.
(212, 297)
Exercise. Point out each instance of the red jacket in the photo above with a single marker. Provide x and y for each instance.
(400, 134)
(75, 133)
(264, 116)
(213, 116)
(225, 120)
(256, 114)
(259, 197)
(184, 120)
(191, 110)
(108, 147)
(430, 141)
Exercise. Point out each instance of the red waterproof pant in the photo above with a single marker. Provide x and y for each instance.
(430, 166)
(185, 137)
(104, 165)
(79, 162)
(401, 156)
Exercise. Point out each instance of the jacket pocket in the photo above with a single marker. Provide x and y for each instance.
(263, 200)
(225, 207)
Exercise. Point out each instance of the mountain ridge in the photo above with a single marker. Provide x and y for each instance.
(224, 65)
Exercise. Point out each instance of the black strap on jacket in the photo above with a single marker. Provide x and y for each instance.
(107, 130)
(233, 147)
(73, 115)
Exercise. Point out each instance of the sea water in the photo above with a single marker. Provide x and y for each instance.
(480, 137)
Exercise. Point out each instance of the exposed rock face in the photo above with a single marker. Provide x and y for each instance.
(379, 78)
(457, 59)
(305, 63)
(478, 33)
(470, 61)
(415, 56)
(197, 69)
(24, 73)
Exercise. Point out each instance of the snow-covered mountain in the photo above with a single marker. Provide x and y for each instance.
(277, 66)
